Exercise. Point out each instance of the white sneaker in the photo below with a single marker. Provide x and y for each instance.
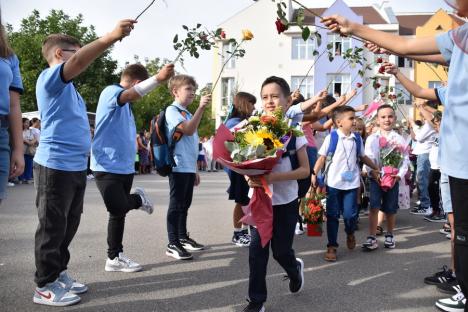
(90, 177)
(455, 303)
(11, 184)
(122, 264)
(298, 230)
(370, 244)
(53, 294)
(146, 204)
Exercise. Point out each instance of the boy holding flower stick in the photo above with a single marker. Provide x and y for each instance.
(380, 199)
(275, 93)
(341, 163)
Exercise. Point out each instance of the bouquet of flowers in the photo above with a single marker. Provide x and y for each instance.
(313, 211)
(253, 149)
(391, 156)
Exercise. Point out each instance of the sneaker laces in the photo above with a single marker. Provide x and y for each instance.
(126, 259)
(459, 295)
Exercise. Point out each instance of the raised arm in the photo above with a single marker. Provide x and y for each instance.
(432, 58)
(87, 54)
(413, 88)
(398, 44)
(190, 126)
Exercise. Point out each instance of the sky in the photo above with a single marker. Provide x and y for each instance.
(152, 36)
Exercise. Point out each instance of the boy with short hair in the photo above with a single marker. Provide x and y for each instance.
(113, 154)
(343, 177)
(385, 201)
(61, 160)
(184, 175)
(275, 93)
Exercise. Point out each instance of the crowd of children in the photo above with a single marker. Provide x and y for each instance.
(351, 162)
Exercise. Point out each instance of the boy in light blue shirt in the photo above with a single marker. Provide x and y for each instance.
(61, 161)
(184, 175)
(113, 155)
(446, 48)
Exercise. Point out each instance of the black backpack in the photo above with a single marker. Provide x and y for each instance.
(303, 184)
(163, 151)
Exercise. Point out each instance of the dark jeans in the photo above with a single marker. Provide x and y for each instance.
(115, 190)
(28, 168)
(434, 191)
(340, 202)
(459, 194)
(284, 224)
(181, 192)
(59, 202)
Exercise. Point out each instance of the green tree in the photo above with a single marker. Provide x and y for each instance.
(27, 43)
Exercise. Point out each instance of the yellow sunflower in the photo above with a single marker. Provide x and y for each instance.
(277, 143)
(252, 138)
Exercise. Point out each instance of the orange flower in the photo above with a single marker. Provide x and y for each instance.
(247, 34)
(266, 119)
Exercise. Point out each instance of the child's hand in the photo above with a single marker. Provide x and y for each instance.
(390, 68)
(205, 100)
(123, 29)
(197, 179)
(296, 94)
(337, 23)
(375, 48)
(165, 73)
(313, 180)
(350, 94)
(376, 175)
(361, 108)
(256, 181)
(321, 95)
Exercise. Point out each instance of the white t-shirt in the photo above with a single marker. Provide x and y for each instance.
(344, 159)
(36, 132)
(425, 137)
(434, 155)
(285, 192)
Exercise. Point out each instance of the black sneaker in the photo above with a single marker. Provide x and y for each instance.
(296, 285)
(450, 288)
(418, 211)
(444, 276)
(191, 244)
(178, 251)
(435, 218)
(254, 307)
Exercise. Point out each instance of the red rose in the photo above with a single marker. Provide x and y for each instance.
(382, 94)
(265, 119)
(377, 85)
(382, 70)
(223, 34)
(280, 27)
(379, 60)
(358, 85)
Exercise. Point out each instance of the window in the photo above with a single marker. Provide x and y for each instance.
(405, 95)
(340, 44)
(404, 62)
(227, 48)
(302, 50)
(227, 95)
(338, 84)
(434, 84)
(307, 86)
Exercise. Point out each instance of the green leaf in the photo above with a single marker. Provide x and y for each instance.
(198, 25)
(318, 37)
(330, 57)
(315, 53)
(176, 38)
(330, 46)
(305, 33)
(300, 17)
(185, 27)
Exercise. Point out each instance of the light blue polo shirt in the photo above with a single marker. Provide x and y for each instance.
(114, 144)
(186, 150)
(454, 127)
(65, 134)
(10, 80)
(441, 93)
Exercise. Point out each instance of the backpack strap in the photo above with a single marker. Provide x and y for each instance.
(176, 135)
(358, 140)
(291, 153)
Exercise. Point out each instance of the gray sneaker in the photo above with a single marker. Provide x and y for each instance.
(146, 205)
(53, 294)
(70, 284)
(122, 264)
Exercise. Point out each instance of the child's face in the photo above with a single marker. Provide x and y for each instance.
(359, 127)
(386, 119)
(185, 94)
(347, 121)
(273, 97)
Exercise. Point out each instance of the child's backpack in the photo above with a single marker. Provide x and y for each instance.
(303, 184)
(331, 151)
(163, 151)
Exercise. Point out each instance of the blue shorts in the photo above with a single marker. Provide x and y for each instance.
(445, 193)
(201, 157)
(385, 201)
(4, 161)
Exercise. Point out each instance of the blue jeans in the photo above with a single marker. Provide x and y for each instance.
(422, 174)
(4, 161)
(28, 168)
(340, 202)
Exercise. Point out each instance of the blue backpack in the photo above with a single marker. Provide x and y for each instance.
(321, 179)
(163, 151)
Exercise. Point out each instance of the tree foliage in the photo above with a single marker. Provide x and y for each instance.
(27, 43)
